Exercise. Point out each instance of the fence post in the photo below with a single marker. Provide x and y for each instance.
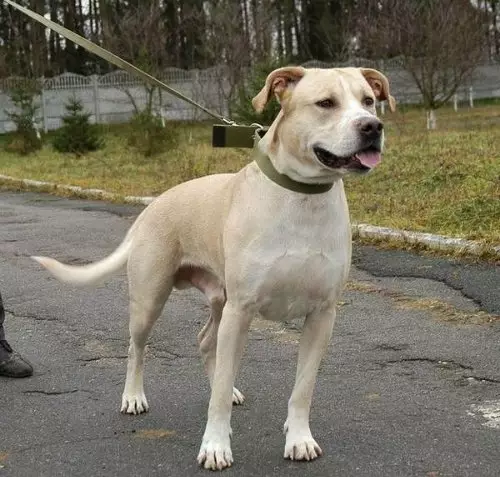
(44, 106)
(160, 108)
(455, 102)
(195, 87)
(382, 107)
(97, 112)
(471, 97)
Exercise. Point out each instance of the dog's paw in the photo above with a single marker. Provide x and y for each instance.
(134, 404)
(215, 454)
(238, 398)
(301, 448)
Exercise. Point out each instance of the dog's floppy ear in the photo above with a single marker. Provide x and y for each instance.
(380, 86)
(278, 82)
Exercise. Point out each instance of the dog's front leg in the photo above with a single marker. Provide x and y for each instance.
(215, 451)
(316, 335)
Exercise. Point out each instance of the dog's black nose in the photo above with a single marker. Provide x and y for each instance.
(370, 128)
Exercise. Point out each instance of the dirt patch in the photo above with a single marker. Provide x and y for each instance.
(282, 332)
(440, 310)
(154, 433)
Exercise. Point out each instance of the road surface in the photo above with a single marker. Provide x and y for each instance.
(410, 385)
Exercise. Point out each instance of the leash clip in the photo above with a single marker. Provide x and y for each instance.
(234, 135)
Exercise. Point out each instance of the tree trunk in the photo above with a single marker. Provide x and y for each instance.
(289, 26)
(496, 32)
(431, 119)
(56, 63)
(38, 42)
(298, 24)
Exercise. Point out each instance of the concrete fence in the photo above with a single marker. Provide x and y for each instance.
(113, 97)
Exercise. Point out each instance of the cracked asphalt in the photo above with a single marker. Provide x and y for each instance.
(410, 385)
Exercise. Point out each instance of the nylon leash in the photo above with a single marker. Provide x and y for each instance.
(228, 134)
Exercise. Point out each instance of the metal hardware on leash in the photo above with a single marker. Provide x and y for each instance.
(235, 136)
(228, 134)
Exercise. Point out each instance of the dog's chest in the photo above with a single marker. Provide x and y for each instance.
(298, 281)
(296, 264)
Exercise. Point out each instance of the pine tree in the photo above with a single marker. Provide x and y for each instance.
(242, 106)
(77, 135)
(26, 139)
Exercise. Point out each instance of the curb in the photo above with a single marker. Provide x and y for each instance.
(436, 242)
(80, 191)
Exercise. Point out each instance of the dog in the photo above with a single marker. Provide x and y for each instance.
(271, 241)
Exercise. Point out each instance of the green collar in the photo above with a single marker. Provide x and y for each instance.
(268, 169)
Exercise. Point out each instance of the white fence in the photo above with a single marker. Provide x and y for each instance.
(114, 97)
(110, 98)
(484, 83)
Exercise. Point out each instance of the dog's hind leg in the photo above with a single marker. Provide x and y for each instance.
(207, 338)
(150, 283)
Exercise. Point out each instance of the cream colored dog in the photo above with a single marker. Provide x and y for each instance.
(255, 247)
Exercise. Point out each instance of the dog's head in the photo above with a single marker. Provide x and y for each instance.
(327, 125)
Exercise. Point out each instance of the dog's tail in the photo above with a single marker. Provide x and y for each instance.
(93, 273)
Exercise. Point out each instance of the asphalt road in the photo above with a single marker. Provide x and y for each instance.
(410, 386)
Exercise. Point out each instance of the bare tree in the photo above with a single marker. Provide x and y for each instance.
(139, 35)
(3, 62)
(327, 29)
(495, 26)
(237, 36)
(491, 9)
(439, 42)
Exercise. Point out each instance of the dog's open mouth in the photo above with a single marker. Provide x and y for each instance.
(363, 160)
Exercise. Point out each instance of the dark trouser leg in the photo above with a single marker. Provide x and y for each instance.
(4, 347)
(11, 364)
(2, 318)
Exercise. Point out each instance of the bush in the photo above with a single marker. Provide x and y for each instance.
(148, 135)
(242, 108)
(77, 135)
(26, 139)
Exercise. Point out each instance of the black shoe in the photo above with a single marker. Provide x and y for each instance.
(12, 365)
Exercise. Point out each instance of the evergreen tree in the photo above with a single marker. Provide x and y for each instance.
(26, 139)
(242, 108)
(149, 136)
(77, 135)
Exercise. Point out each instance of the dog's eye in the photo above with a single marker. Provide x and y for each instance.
(325, 103)
(368, 101)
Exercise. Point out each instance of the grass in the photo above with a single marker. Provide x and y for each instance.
(445, 181)
(119, 169)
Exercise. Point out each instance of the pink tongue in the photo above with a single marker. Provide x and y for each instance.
(369, 159)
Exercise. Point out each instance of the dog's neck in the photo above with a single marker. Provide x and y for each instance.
(269, 170)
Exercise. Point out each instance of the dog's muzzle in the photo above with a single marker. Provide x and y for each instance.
(362, 161)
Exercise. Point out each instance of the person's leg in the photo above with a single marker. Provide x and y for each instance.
(2, 318)
(11, 364)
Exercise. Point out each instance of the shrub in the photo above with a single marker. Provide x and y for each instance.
(26, 139)
(77, 135)
(148, 135)
(242, 108)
